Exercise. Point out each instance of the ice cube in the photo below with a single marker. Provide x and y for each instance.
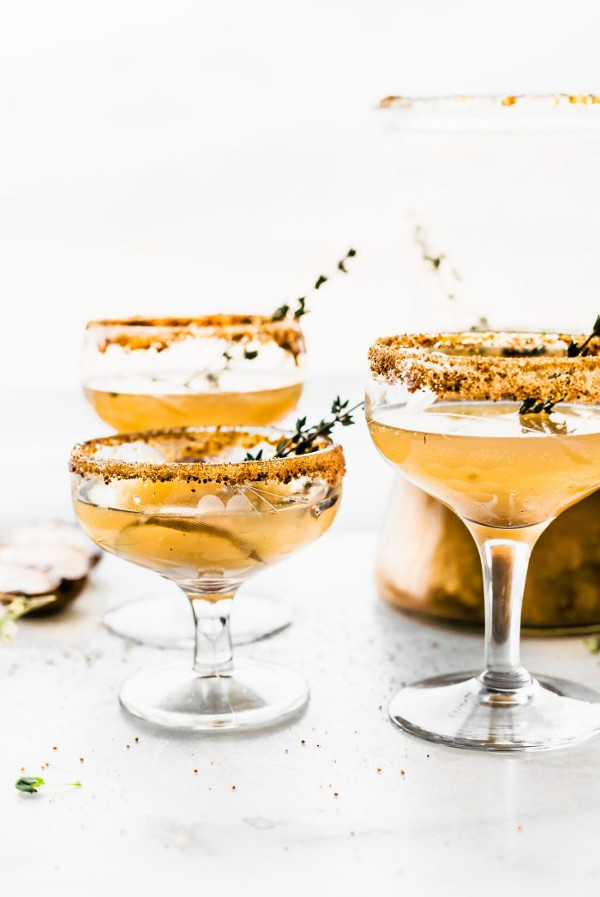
(239, 504)
(103, 495)
(238, 453)
(136, 452)
(210, 504)
(421, 401)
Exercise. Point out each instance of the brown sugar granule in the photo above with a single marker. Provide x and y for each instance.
(195, 770)
(81, 759)
(379, 769)
(402, 773)
(302, 741)
(335, 794)
(233, 787)
(54, 748)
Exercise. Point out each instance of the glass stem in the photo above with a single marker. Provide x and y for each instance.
(213, 652)
(505, 558)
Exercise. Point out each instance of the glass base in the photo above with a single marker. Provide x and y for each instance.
(459, 711)
(165, 621)
(251, 696)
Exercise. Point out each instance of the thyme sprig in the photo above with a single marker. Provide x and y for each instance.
(214, 371)
(300, 310)
(534, 405)
(303, 440)
(31, 784)
(538, 406)
(574, 350)
(448, 278)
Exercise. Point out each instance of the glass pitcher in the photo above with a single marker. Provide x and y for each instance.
(499, 211)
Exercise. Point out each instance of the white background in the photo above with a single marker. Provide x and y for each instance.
(189, 157)
(194, 156)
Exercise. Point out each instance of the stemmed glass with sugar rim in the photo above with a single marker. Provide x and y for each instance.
(444, 409)
(187, 504)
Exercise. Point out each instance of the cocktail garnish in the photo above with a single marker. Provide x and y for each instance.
(574, 350)
(448, 278)
(284, 310)
(196, 525)
(30, 784)
(213, 373)
(303, 440)
(534, 405)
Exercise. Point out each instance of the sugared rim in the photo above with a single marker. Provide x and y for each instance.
(548, 100)
(490, 365)
(143, 333)
(327, 463)
(508, 113)
(217, 320)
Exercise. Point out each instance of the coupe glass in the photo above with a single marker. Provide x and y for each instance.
(217, 370)
(185, 503)
(445, 409)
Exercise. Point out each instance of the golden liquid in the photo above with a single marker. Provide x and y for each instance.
(481, 459)
(126, 412)
(219, 543)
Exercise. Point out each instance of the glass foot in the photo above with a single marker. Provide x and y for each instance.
(458, 710)
(252, 695)
(165, 621)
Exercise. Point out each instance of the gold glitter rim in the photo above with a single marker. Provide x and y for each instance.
(143, 333)
(491, 365)
(554, 99)
(327, 463)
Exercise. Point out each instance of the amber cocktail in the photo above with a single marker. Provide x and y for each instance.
(504, 428)
(217, 370)
(187, 504)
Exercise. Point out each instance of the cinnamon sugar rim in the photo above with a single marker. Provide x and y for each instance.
(327, 463)
(490, 365)
(217, 321)
(555, 99)
(143, 333)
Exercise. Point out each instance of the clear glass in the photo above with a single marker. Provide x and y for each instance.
(498, 204)
(443, 409)
(218, 370)
(186, 504)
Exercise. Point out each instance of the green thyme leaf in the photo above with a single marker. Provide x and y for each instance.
(280, 313)
(29, 784)
(300, 309)
(535, 405)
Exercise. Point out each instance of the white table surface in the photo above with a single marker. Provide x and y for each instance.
(143, 821)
